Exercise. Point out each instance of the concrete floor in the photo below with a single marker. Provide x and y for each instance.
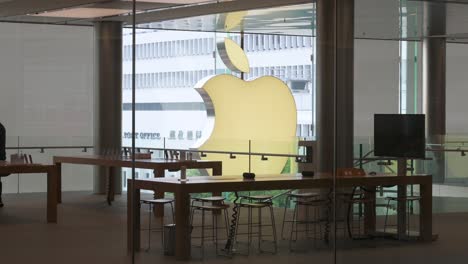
(89, 231)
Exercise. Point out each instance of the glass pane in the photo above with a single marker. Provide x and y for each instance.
(407, 61)
(264, 118)
(47, 110)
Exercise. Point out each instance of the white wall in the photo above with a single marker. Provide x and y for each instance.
(46, 95)
(457, 89)
(457, 106)
(376, 82)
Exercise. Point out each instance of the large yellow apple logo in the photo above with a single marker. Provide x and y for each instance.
(262, 111)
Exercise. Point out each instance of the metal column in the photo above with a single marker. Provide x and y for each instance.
(434, 83)
(108, 99)
(335, 63)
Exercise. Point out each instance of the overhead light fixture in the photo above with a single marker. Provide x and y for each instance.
(84, 12)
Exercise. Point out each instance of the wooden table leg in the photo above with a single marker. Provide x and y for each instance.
(111, 185)
(425, 216)
(133, 217)
(401, 212)
(182, 213)
(52, 182)
(58, 169)
(331, 205)
(217, 171)
(158, 209)
(369, 211)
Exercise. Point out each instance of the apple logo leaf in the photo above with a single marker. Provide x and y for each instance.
(233, 56)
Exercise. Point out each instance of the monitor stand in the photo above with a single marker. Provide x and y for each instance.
(402, 167)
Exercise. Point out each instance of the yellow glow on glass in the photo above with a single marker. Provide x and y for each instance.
(234, 20)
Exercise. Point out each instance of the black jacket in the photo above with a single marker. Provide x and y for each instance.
(2, 142)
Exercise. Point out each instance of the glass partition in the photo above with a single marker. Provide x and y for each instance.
(394, 74)
(189, 98)
(47, 108)
(283, 90)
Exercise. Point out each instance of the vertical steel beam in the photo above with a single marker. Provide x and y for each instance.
(335, 67)
(108, 99)
(434, 82)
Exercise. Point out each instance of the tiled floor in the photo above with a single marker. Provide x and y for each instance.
(89, 231)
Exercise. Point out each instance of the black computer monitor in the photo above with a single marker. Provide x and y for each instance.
(399, 135)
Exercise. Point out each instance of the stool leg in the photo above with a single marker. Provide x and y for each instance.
(298, 221)
(1, 203)
(342, 206)
(316, 223)
(260, 229)
(419, 218)
(360, 209)
(192, 210)
(386, 216)
(216, 230)
(249, 230)
(408, 218)
(273, 225)
(212, 226)
(307, 220)
(203, 234)
(321, 224)
(293, 227)
(226, 222)
(288, 198)
(149, 227)
(192, 215)
(360, 232)
(350, 215)
(162, 226)
(172, 210)
(237, 224)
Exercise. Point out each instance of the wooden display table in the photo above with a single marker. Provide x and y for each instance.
(182, 191)
(157, 165)
(52, 182)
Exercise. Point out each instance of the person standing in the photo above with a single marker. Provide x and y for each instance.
(2, 143)
(2, 156)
